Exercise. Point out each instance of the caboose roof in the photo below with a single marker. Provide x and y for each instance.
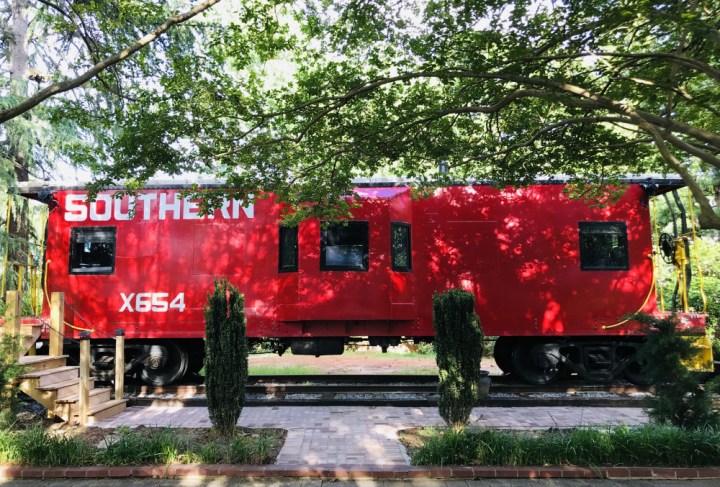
(379, 187)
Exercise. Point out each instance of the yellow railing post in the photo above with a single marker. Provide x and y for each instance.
(12, 316)
(57, 317)
(119, 363)
(84, 401)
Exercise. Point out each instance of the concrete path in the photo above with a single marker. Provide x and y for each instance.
(367, 436)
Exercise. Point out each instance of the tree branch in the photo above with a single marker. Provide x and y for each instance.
(707, 217)
(70, 84)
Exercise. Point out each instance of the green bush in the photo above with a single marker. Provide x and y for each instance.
(458, 352)
(9, 371)
(711, 288)
(649, 445)
(681, 396)
(425, 348)
(226, 356)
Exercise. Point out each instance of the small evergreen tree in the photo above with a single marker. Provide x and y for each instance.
(9, 371)
(226, 356)
(681, 397)
(458, 352)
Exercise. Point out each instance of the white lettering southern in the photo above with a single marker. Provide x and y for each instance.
(147, 206)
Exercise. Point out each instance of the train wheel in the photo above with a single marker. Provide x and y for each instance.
(536, 362)
(503, 354)
(102, 362)
(166, 364)
(635, 373)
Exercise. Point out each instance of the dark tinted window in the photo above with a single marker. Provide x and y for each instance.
(603, 246)
(92, 250)
(344, 247)
(400, 246)
(288, 256)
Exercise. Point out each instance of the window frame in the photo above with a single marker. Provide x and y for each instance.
(393, 263)
(586, 227)
(73, 258)
(286, 268)
(326, 227)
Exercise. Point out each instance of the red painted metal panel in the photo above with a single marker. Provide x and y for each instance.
(516, 249)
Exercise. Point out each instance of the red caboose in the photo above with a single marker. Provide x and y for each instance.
(553, 277)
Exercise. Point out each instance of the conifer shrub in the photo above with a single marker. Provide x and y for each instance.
(458, 352)
(9, 372)
(682, 397)
(226, 356)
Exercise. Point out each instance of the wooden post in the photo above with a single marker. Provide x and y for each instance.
(84, 402)
(57, 318)
(119, 363)
(12, 317)
(20, 275)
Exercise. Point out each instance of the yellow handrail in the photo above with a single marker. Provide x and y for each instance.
(47, 297)
(647, 298)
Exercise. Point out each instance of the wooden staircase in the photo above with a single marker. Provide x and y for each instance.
(55, 385)
(49, 380)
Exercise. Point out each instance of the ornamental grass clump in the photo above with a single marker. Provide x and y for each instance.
(226, 356)
(458, 352)
(649, 445)
(38, 448)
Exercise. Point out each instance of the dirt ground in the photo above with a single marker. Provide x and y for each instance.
(370, 363)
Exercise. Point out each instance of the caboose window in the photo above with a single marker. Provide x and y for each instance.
(92, 250)
(400, 247)
(603, 246)
(288, 256)
(344, 246)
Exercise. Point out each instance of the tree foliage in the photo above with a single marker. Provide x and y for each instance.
(226, 356)
(458, 352)
(10, 369)
(681, 397)
(498, 90)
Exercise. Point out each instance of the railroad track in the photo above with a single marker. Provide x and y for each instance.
(389, 390)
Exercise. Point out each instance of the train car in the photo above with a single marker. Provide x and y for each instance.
(553, 277)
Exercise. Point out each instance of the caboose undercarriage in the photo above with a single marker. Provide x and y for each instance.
(536, 360)
(542, 360)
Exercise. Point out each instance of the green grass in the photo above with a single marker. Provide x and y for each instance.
(414, 371)
(140, 446)
(269, 369)
(390, 354)
(646, 446)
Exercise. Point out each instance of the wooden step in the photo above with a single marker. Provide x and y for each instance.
(105, 410)
(30, 330)
(48, 377)
(68, 407)
(65, 388)
(36, 363)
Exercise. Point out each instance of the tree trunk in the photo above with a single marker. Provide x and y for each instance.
(18, 57)
(18, 150)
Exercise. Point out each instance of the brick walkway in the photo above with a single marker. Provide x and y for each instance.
(351, 443)
(366, 436)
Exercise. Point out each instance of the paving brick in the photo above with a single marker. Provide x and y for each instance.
(32, 473)
(7, 472)
(55, 473)
(664, 473)
(707, 473)
(119, 471)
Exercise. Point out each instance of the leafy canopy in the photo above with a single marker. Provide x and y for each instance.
(497, 90)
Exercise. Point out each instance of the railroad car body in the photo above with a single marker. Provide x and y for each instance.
(552, 276)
